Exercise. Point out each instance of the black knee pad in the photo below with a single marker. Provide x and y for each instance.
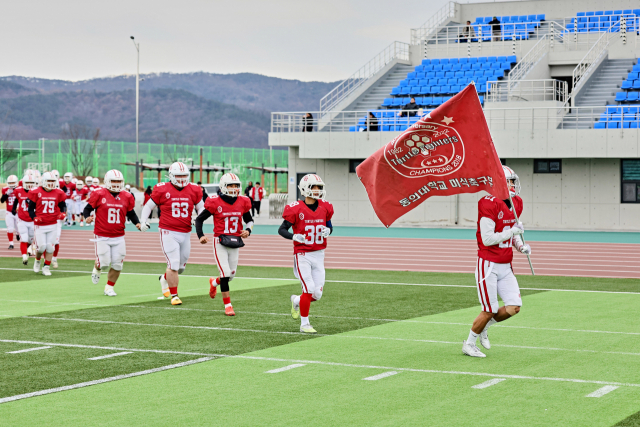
(224, 284)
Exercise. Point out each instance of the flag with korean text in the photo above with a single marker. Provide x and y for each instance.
(448, 151)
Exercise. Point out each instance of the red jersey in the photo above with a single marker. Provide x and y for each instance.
(11, 197)
(69, 188)
(22, 200)
(176, 205)
(111, 211)
(227, 219)
(256, 193)
(80, 195)
(308, 223)
(497, 211)
(47, 209)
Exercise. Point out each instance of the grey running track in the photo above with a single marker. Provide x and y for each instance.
(616, 260)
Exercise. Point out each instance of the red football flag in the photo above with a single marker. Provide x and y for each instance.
(448, 151)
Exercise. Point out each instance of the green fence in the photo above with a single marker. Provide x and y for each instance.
(88, 158)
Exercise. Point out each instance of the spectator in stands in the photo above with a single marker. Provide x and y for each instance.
(247, 190)
(409, 109)
(307, 123)
(373, 122)
(495, 28)
(467, 32)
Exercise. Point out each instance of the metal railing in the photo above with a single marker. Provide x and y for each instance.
(528, 90)
(590, 60)
(526, 64)
(434, 23)
(395, 51)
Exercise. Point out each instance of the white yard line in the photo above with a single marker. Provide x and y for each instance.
(602, 391)
(346, 365)
(26, 350)
(101, 381)
(122, 353)
(488, 383)
(380, 376)
(286, 368)
(294, 281)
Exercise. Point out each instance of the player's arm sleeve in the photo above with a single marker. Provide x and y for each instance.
(62, 206)
(199, 207)
(87, 211)
(4, 198)
(14, 209)
(131, 215)
(489, 235)
(248, 220)
(146, 210)
(517, 243)
(205, 196)
(284, 230)
(330, 226)
(32, 209)
(202, 217)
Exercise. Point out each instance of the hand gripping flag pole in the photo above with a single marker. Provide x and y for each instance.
(513, 208)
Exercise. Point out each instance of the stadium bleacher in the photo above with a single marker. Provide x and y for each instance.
(517, 27)
(604, 20)
(621, 117)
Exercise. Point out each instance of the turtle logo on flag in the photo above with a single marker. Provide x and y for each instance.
(426, 149)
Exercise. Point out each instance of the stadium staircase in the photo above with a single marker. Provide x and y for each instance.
(372, 99)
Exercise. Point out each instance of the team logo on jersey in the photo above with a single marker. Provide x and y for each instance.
(428, 148)
(39, 195)
(220, 209)
(500, 215)
(168, 196)
(301, 216)
(104, 200)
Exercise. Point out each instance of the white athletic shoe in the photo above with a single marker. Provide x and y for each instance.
(54, 263)
(308, 329)
(45, 271)
(95, 276)
(470, 349)
(31, 250)
(295, 309)
(165, 286)
(81, 223)
(108, 291)
(484, 339)
(25, 259)
(36, 266)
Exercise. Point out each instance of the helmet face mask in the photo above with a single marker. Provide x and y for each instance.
(230, 185)
(88, 180)
(114, 181)
(12, 181)
(179, 174)
(55, 174)
(68, 177)
(513, 182)
(29, 182)
(49, 182)
(95, 181)
(79, 185)
(312, 186)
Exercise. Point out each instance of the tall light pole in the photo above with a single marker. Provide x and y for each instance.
(137, 46)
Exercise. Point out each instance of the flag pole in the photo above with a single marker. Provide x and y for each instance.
(513, 208)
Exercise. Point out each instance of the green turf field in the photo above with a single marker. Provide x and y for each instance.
(387, 352)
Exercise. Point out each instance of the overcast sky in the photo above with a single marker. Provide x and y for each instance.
(305, 40)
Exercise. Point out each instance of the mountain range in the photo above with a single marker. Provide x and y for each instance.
(193, 108)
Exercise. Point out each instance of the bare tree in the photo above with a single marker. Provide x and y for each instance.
(8, 153)
(182, 144)
(82, 143)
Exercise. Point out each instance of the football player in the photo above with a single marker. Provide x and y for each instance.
(9, 198)
(69, 188)
(497, 232)
(229, 209)
(46, 206)
(80, 197)
(311, 222)
(176, 201)
(21, 212)
(112, 205)
(56, 248)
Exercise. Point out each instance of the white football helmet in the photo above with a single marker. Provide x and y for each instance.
(114, 181)
(307, 182)
(128, 188)
(88, 180)
(68, 177)
(513, 182)
(95, 181)
(36, 174)
(226, 180)
(55, 174)
(49, 182)
(79, 184)
(29, 182)
(12, 181)
(179, 174)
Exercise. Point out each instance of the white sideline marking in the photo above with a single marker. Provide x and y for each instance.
(488, 383)
(101, 381)
(213, 328)
(380, 376)
(122, 353)
(28, 349)
(319, 362)
(294, 281)
(286, 368)
(602, 391)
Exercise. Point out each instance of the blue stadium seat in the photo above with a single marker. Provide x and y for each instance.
(580, 14)
(449, 74)
(397, 102)
(445, 89)
(426, 61)
(444, 61)
(424, 90)
(599, 125)
(633, 96)
(427, 100)
(434, 90)
(420, 76)
(636, 68)
(440, 74)
(395, 91)
(403, 83)
(473, 60)
(437, 100)
(612, 125)
(406, 90)
(431, 74)
(456, 88)
(388, 102)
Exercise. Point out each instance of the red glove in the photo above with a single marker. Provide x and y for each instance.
(37, 220)
(62, 215)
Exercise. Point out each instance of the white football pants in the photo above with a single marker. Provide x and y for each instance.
(309, 268)
(495, 279)
(45, 237)
(71, 207)
(79, 207)
(10, 220)
(176, 247)
(110, 252)
(226, 259)
(58, 232)
(26, 231)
